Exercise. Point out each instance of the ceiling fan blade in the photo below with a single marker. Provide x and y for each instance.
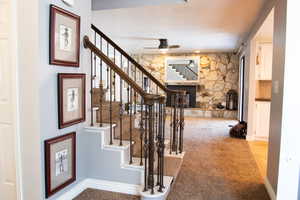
(150, 48)
(174, 46)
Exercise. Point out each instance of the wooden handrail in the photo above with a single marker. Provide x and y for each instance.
(140, 67)
(148, 97)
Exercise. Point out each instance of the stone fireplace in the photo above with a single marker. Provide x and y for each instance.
(218, 74)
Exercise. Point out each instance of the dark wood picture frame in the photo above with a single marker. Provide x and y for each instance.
(47, 146)
(61, 77)
(53, 11)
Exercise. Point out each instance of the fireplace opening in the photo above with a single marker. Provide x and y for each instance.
(190, 94)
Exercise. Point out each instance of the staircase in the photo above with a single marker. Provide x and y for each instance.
(128, 121)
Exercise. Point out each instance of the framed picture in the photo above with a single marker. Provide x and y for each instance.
(71, 99)
(64, 37)
(60, 162)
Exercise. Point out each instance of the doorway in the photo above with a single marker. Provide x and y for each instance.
(260, 86)
(242, 89)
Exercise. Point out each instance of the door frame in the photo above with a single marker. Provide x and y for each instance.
(242, 63)
(13, 40)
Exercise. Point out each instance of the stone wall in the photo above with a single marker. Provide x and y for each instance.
(219, 72)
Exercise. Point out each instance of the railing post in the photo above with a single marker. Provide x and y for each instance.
(146, 148)
(142, 131)
(91, 91)
(161, 144)
(151, 148)
(175, 124)
(102, 93)
(181, 123)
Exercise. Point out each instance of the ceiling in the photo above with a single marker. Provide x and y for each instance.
(113, 4)
(205, 25)
(265, 32)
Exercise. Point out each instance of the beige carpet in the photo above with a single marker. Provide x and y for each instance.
(216, 167)
(91, 194)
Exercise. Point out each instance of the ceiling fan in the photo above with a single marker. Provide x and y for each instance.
(163, 45)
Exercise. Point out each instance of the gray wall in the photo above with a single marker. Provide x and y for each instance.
(48, 79)
(277, 97)
(38, 90)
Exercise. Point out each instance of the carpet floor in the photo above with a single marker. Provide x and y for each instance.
(92, 194)
(215, 167)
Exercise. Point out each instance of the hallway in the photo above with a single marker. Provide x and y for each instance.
(215, 166)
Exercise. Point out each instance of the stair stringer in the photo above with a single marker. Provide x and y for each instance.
(108, 162)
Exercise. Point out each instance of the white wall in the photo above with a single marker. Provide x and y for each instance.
(38, 89)
(274, 136)
(287, 74)
(30, 137)
(283, 153)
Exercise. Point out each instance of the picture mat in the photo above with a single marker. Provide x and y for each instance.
(63, 177)
(70, 83)
(62, 20)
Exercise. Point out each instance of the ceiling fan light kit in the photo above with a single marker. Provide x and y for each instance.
(164, 46)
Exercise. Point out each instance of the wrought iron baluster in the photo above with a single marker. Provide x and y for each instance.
(135, 94)
(142, 130)
(102, 94)
(128, 89)
(91, 91)
(114, 77)
(171, 123)
(151, 146)
(175, 139)
(121, 104)
(95, 69)
(146, 149)
(158, 146)
(161, 145)
(130, 126)
(163, 142)
(182, 101)
(109, 77)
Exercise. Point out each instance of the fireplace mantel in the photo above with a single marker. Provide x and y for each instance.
(183, 83)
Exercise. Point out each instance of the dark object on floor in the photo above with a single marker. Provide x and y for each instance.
(239, 130)
(220, 106)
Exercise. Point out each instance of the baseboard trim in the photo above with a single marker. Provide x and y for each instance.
(270, 189)
(100, 185)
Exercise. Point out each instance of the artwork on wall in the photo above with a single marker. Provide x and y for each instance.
(182, 69)
(71, 99)
(60, 162)
(64, 37)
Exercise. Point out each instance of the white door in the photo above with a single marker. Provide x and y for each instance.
(7, 106)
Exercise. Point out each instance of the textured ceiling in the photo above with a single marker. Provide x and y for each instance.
(205, 25)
